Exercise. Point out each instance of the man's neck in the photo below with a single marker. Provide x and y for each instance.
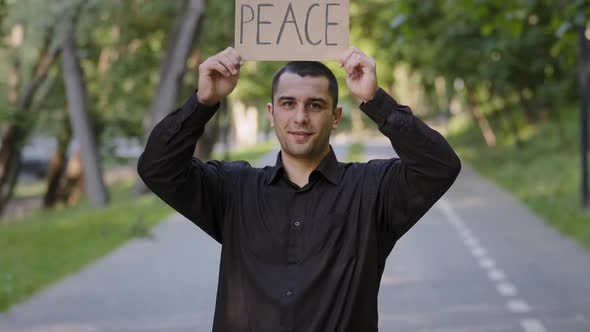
(298, 169)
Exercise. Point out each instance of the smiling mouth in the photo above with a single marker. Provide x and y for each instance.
(300, 134)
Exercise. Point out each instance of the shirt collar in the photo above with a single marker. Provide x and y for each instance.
(328, 167)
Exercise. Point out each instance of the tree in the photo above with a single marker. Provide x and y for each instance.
(173, 68)
(78, 105)
(57, 166)
(19, 127)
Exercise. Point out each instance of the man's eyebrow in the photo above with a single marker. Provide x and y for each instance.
(316, 99)
(310, 100)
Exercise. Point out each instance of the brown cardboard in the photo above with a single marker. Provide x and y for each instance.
(291, 29)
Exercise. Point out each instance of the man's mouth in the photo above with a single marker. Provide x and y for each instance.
(300, 134)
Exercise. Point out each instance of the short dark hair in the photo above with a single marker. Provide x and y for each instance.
(308, 68)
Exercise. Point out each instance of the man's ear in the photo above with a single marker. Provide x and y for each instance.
(270, 114)
(337, 116)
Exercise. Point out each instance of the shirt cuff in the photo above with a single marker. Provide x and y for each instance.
(380, 107)
(195, 113)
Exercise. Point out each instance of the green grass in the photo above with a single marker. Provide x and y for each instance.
(44, 247)
(251, 153)
(543, 171)
(355, 153)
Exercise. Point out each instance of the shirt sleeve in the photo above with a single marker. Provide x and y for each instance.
(168, 168)
(408, 186)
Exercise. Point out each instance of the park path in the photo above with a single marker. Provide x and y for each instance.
(478, 261)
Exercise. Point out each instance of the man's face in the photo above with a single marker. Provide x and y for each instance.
(303, 115)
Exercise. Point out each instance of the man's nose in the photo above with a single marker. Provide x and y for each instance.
(301, 115)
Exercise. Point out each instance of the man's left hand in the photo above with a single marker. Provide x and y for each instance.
(361, 76)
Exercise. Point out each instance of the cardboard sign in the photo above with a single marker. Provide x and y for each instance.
(291, 29)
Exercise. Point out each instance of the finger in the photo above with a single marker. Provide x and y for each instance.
(225, 52)
(235, 55)
(236, 59)
(214, 65)
(347, 54)
(229, 63)
(354, 62)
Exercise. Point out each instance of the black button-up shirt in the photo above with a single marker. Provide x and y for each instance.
(304, 259)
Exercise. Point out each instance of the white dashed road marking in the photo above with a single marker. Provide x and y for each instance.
(487, 263)
(479, 252)
(506, 289)
(532, 325)
(496, 276)
(519, 306)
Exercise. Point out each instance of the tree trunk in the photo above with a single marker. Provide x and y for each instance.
(482, 122)
(73, 187)
(57, 166)
(172, 70)
(583, 95)
(9, 163)
(17, 132)
(77, 105)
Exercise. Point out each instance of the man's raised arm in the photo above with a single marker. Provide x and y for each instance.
(427, 166)
(193, 188)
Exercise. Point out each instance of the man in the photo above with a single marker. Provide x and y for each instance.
(304, 242)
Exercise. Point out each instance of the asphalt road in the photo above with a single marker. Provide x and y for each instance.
(478, 261)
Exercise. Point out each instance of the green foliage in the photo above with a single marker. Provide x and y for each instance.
(355, 153)
(13, 115)
(511, 51)
(520, 52)
(122, 44)
(217, 27)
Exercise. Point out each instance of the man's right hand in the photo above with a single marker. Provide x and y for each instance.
(218, 76)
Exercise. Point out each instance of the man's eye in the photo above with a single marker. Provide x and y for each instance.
(315, 106)
(288, 104)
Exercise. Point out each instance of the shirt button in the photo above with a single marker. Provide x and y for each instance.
(288, 293)
(297, 223)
